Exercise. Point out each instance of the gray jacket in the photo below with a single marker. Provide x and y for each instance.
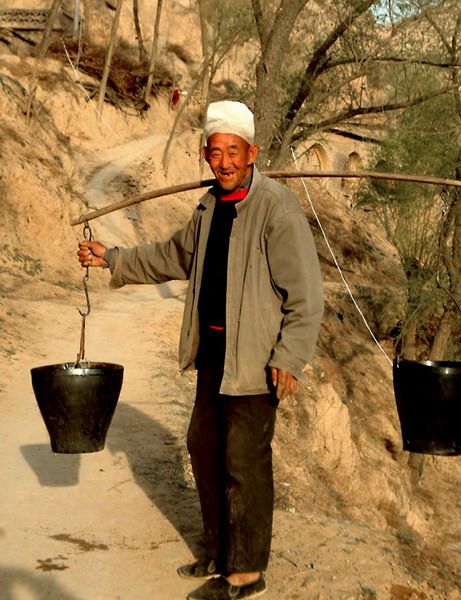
(274, 304)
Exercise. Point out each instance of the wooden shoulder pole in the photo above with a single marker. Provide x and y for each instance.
(184, 187)
(172, 189)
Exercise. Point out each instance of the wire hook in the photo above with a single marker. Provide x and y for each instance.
(88, 235)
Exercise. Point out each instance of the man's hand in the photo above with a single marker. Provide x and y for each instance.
(91, 254)
(284, 383)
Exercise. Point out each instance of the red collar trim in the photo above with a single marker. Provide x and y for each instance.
(236, 195)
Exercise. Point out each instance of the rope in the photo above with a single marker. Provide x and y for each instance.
(337, 264)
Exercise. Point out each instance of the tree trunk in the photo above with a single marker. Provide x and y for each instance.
(76, 25)
(450, 248)
(110, 51)
(153, 54)
(142, 52)
(40, 53)
(442, 336)
(274, 39)
(415, 286)
(409, 342)
(206, 54)
(182, 108)
(43, 46)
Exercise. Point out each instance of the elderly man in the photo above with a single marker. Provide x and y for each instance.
(252, 315)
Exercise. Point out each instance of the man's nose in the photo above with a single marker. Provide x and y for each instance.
(225, 162)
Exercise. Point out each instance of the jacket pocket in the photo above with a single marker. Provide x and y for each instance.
(270, 326)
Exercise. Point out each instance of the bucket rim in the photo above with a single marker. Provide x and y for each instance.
(69, 368)
(447, 367)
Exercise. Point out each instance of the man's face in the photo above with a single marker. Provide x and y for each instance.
(230, 158)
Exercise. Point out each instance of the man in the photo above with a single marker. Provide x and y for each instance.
(252, 315)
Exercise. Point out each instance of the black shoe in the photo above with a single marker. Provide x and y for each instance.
(221, 589)
(201, 569)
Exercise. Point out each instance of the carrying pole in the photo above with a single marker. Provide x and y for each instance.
(184, 187)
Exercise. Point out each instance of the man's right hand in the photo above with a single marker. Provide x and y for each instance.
(91, 254)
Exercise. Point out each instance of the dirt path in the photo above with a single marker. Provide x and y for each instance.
(101, 525)
(114, 525)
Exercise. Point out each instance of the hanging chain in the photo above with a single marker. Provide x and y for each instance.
(88, 235)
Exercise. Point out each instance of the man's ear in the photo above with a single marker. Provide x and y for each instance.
(205, 152)
(253, 152)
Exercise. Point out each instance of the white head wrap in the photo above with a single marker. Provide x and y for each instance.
(230, 117)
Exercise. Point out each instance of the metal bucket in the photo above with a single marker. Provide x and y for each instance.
(428, 397)
(77, 403)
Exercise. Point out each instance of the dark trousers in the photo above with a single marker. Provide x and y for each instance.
(229, 441)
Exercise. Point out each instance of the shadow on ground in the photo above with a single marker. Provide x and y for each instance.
(38, 587)
(52, 470)
(156, 458)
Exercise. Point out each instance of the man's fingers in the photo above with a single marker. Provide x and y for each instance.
(281, 385)
(284, 383)
(274, 373)
(84, 255)
(91, 254)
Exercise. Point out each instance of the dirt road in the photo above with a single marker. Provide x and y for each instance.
(115, 524)
(106, 524)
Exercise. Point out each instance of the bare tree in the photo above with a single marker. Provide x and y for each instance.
(349, 67)
(274, 29)
(224, 25)
(425, 229)
(451, 235)
(451, 256)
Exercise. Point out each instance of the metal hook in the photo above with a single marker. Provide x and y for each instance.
(87, 234)
(87, 296)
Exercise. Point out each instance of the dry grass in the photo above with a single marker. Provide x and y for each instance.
(127, 78)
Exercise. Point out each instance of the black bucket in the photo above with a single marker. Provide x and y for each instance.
(428, 397)
(77, 403)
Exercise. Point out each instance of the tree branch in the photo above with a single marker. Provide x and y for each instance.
(259, 20)
(320, 56)
(392, 59)
(367, 110)
(438, 29)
